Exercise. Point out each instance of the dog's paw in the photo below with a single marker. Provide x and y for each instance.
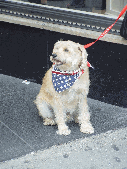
(49, 121)
(87, 128)
(63, 131)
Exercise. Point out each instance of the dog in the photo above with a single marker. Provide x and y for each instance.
(63, 94)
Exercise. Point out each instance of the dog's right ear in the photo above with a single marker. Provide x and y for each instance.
(84, 56)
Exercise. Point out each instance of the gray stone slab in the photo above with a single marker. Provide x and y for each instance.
(11, 145)
(18, 112)
(102, 151)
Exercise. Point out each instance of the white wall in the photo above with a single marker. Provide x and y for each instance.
(115, 6)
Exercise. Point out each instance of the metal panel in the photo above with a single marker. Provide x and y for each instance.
(84, 20)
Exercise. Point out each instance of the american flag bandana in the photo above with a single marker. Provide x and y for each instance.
(64, 80)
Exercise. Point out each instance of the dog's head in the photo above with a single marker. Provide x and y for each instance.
(69, 56)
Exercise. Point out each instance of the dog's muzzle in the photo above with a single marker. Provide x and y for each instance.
(55, 60)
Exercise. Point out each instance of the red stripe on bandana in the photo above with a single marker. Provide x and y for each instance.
(65, 73)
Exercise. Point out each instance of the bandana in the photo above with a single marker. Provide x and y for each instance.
(63, 80)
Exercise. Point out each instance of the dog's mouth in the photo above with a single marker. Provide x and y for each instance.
(57, 62)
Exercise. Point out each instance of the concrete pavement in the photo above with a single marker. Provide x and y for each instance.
(103, 151)
(25, 143)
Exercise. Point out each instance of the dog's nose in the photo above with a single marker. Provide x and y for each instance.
(54, 55)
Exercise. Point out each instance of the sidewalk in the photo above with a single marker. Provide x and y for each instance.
(104, 151)
(27, 144)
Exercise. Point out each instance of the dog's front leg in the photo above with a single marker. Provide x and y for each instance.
(84, 116)
(60, 118)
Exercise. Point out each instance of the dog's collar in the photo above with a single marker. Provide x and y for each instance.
(64, 80)
(66, 73)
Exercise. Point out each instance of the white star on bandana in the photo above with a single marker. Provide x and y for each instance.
(63, 80)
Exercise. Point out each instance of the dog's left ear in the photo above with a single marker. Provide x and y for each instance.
(84, 56)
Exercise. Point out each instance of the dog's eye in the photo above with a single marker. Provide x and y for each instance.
(66, 50)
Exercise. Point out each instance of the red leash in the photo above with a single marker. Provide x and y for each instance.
(108, 29)
(105, 32)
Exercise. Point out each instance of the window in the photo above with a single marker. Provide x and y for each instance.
(96, 6)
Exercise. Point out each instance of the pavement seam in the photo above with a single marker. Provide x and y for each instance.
(17, 135)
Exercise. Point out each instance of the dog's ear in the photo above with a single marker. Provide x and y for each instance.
(61, 39)
(84, 56)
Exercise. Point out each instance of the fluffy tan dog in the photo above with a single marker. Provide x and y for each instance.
(63, 95)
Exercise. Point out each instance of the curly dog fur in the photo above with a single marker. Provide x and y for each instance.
(70, 104)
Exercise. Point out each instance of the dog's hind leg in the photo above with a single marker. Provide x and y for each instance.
(49, 121)
(45, 111)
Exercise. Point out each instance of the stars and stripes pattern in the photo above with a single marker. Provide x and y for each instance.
(64, 80)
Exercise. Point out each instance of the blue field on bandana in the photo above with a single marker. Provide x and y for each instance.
(61, 81)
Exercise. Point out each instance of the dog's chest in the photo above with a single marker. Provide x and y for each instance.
(69, 100)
